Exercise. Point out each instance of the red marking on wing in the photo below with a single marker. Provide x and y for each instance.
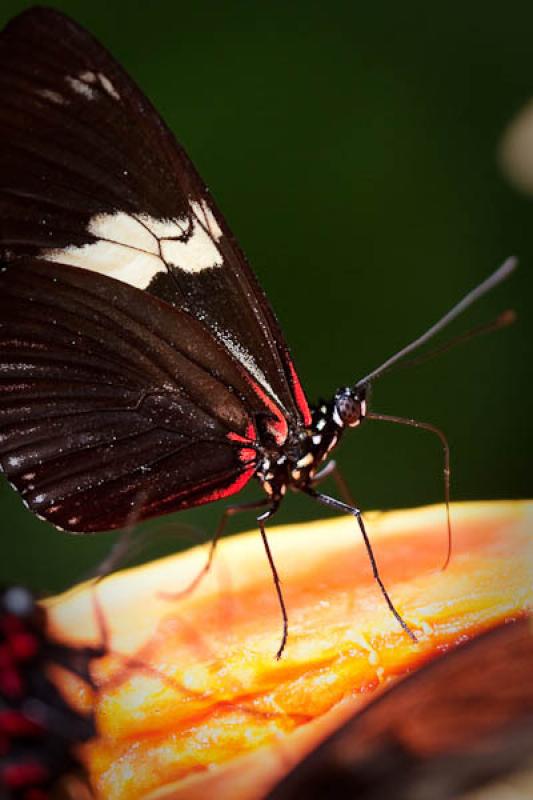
(233, 488)
(11, 684)
(17, 776)
(299, 396)
(249, 437)
(14, 723)
(247, 455)
(24, 646)
(278, 426)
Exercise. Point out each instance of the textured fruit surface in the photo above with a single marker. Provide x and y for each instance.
(192, 699)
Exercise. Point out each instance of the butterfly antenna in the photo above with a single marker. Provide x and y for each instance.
(413, 423)
(469, 299)
(503, 320)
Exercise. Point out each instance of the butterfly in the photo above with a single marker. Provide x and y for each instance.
(142, 369)
(39, 730)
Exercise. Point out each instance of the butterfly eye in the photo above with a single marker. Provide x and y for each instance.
(350, 406)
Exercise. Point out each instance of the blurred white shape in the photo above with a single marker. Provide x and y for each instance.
(516, 149)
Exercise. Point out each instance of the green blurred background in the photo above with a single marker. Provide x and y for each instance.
(353, 149)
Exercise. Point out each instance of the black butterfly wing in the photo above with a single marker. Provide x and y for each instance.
(90, 176)
(137, 350)
(113, 405)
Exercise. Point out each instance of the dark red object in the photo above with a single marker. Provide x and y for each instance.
(39, 731)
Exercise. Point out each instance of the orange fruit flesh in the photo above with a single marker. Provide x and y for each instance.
(191, 699)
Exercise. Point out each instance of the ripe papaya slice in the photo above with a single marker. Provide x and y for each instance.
(192, 701)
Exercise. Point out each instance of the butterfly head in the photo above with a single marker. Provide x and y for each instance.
(347, 409)
(349, 406)
(296, 463)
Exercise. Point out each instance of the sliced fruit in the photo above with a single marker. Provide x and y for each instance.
(192, 700)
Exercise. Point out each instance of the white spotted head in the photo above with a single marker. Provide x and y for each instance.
(349, 407)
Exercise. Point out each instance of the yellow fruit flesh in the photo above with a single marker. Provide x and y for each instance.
(192, 700)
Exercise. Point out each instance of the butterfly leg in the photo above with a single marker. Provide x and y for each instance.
(277, 583)
(228, 512)
(425, 426)
(130, 663)
(80, 665)
(331, 469)
(338, 505)
(125, 547)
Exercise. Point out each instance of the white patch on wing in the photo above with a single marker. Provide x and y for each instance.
(247, 360)
(54, 97)
(207, 220)
(123, 229)
(87, 77)
(198, 250)
(125, 250)
(165, 228)
(115, 260)
(134, 249)
(80, 87)
(108, 86)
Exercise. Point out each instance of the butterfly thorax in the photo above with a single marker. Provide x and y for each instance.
(296, 462)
